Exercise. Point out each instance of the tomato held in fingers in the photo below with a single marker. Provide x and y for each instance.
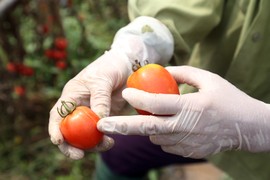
(152, 78)
(79, 126)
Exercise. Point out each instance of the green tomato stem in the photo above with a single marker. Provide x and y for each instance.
(138, 65)
(66, 108)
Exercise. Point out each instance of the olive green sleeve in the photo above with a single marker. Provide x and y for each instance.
(189, 21)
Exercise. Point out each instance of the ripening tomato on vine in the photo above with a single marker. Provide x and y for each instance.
(20, 69)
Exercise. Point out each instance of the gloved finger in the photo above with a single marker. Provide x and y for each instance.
(201, 79)
(190, 146)
(117, 101)
(100, 99)
(100, 85)
(190, 152)
(134, 125)
(106, 144)
(72, 92)
(104, 80)
(168, 139)
(179, 150)
(154, 103)
(70, 151)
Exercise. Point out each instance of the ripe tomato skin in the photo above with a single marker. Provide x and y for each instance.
(61, 64)
(79, 128)
(153, 78)
(12, 67)
(61, 43)
(19, 90)
(59, 54)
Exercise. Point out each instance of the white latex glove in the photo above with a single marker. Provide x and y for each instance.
(100, 84)
(217, 118)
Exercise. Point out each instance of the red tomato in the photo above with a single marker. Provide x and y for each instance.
(12, 67)
(26, 70)
(153, 78)
(20, 68)
(45, 29)
(60, 43)
(79, 126)
(19, 90)
(61, 64)
(59, 54)
(49, 53)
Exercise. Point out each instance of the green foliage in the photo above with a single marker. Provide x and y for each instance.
(25, 149)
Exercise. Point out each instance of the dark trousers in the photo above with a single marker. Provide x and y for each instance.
(136, 155)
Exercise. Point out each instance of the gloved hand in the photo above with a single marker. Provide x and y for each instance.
(100, 84)
(217, 118)
(92, 87)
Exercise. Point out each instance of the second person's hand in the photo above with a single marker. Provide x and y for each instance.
(217, 118)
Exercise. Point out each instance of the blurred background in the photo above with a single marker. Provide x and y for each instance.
(44, 43)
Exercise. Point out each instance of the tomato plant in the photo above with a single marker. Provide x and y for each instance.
(31, 81)
(79, 125)
(152, 78)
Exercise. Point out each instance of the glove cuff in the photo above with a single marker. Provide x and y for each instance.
(145, 38)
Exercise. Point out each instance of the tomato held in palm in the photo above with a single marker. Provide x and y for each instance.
(152, 78)
(79, 126)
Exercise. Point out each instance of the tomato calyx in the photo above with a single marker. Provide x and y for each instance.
(138, 65)
(66, 108)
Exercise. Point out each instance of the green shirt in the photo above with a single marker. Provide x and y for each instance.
(230, 38)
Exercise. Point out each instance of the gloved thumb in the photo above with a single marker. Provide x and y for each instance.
(198, 78)
(133, 125)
